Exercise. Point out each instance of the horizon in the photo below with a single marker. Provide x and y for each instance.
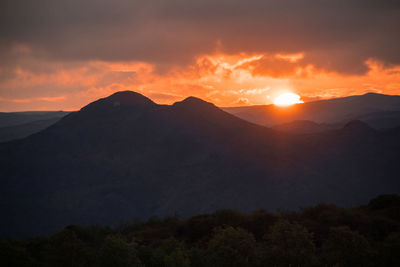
(65, 55)
(179, 100)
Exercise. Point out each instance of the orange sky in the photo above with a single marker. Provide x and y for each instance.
(226, 80)
(61, 55)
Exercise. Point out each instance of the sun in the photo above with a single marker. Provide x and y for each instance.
(287, 99)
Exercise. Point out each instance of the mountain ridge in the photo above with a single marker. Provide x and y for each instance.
(154, 160)
(330, 111)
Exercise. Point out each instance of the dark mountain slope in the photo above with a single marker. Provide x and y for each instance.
(382, 120)
(16, 125)
(23, 130)
(124, 156)
(8, 119)
(305, 127)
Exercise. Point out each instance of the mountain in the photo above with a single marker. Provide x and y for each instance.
(125, 157)
(382, 119)
(305, 127)
(379, 111)
(16, 125)
(8, 119)
(25, 129)
(310, 127)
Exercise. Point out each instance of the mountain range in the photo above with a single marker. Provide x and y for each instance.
(124, 157)
(16, 125)
(378, 110)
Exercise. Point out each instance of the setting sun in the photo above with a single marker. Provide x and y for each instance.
(287, 99)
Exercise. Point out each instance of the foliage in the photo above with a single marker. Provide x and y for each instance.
(321, 235)
(116, 252)
(289, 244)
(346, 248)
(231, 247)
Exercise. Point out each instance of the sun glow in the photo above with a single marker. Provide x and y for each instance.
(287, 99)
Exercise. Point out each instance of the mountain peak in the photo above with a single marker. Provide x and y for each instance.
(194, 102)
(121, 98)
(193, 99)
(372, 93)
(129, 98)
(358, 126)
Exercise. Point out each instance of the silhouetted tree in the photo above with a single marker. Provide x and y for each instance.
(116, 252)
(346, 248)
(66, 249)
(169, 253)
(321, 235)
(391, 250)
(13, 253)
(288, 244)
(231, 247)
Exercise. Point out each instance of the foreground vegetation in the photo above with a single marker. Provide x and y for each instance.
(321, 235)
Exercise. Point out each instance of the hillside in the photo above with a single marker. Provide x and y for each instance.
(125, 157)
(16, 125)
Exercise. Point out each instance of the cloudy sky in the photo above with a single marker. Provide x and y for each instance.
(63, 54)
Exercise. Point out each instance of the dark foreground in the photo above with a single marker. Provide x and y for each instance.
(321, 235)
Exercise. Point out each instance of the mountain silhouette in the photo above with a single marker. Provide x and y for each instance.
(305, 127)
(10, 119)
(119, 100)
(125, 157)
(378, 110)
(357, 125)
(17, 125)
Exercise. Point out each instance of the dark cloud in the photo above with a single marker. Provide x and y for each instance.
(335, 35)
(272, 67)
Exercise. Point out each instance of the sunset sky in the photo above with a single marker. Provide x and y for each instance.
(61, 55)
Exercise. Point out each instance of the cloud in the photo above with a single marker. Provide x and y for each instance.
(335, 35)
(164, 97)
(30, 100)
(225, 80)
(278, 65)
(242, 101)
(220, 50)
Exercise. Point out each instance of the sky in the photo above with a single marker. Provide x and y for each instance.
(61, 55)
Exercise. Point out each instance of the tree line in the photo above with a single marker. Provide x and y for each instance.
(320, 235)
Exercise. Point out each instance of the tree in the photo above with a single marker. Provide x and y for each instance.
(13, 253)
(231, 247)
(391, 250)
(116, 252)
(345, 247)
(170, 253)
(288, 244)
(260, 222)
(66, 249)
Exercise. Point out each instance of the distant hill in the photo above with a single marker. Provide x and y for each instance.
(125, 157)
(379, 111)
(16, 125)
(382, 119)
(305, 127)
(8, 119)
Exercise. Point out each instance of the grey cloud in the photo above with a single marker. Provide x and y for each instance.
(335, 35)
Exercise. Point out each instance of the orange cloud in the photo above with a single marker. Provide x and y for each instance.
(290, 57)
(226, 80)
(30, 100)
